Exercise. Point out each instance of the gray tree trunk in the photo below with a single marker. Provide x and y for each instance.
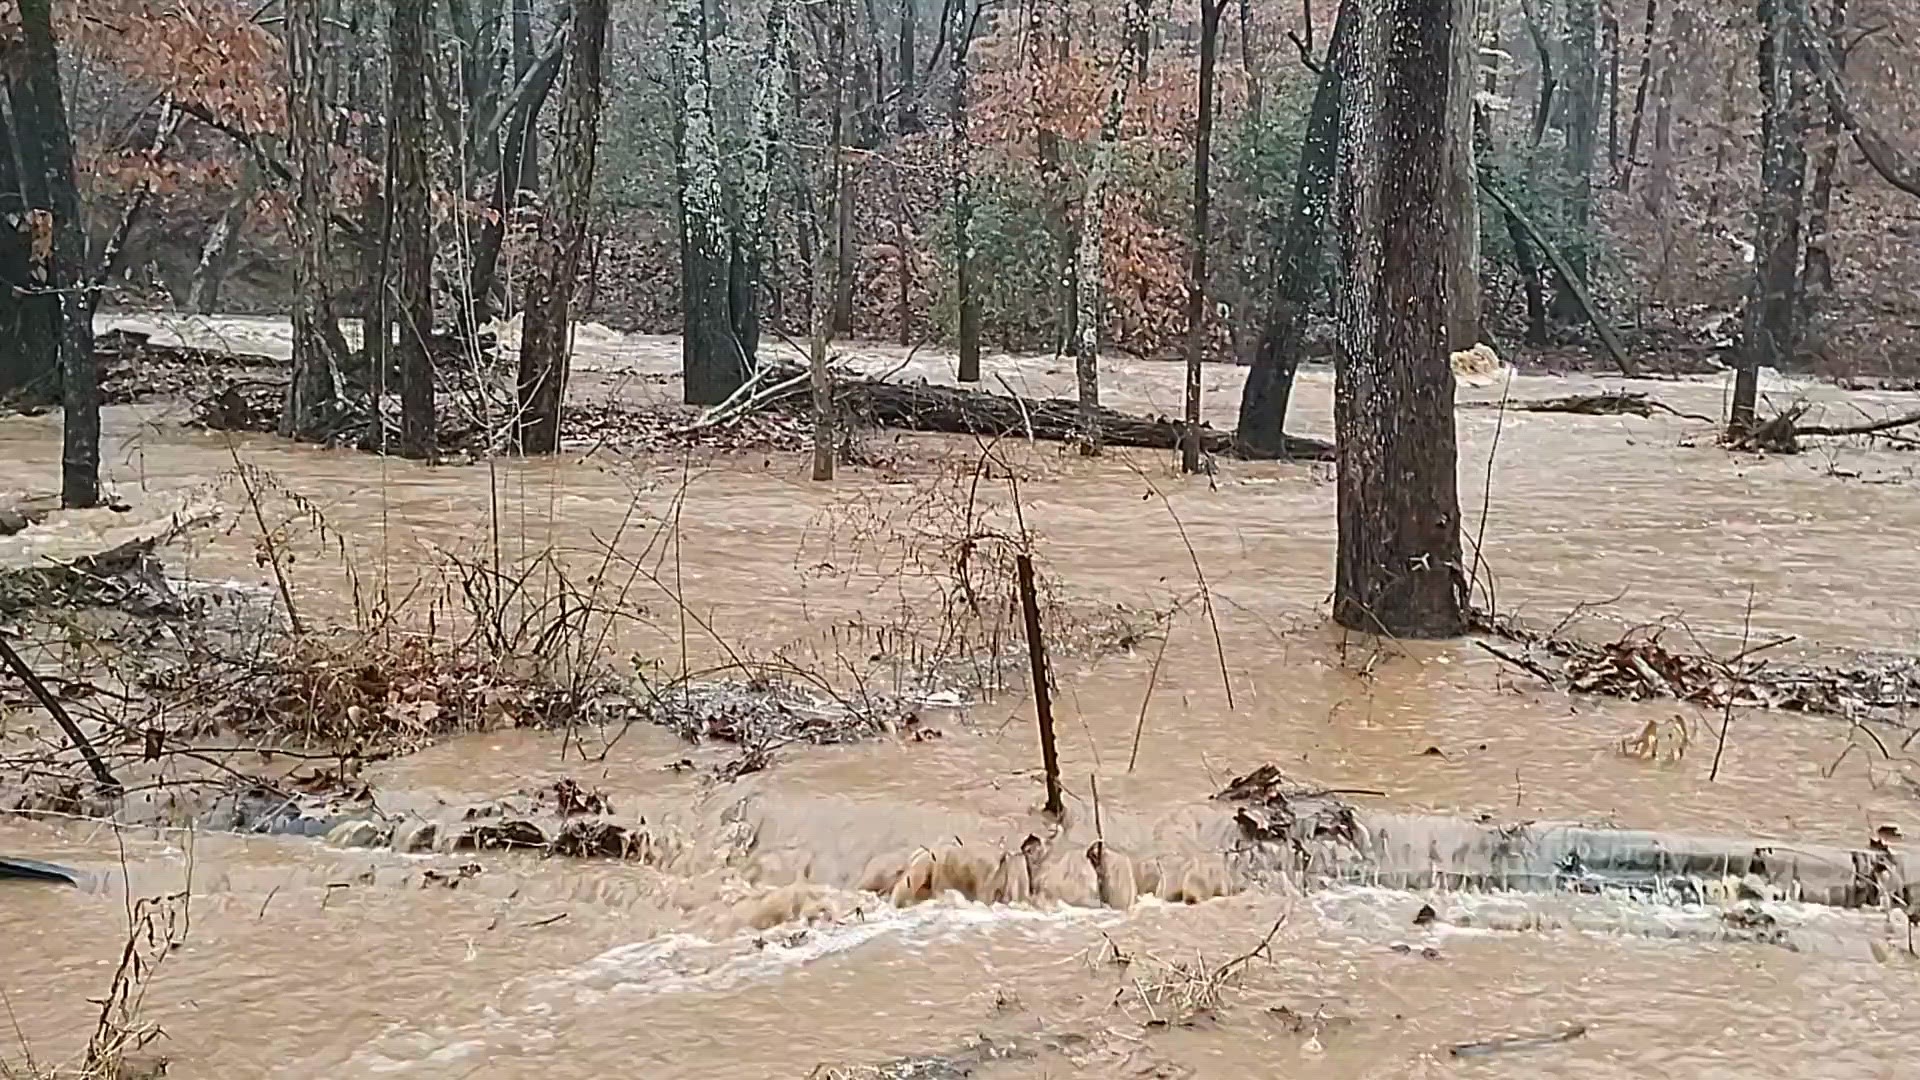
(1463, 186)
(58, 247)
(712, 362)
(1770, 331)
(966, 304)
(1210, 11)
(1582, 76)
(1398, 569)
(547, 333)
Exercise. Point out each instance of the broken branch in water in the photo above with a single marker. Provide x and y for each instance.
(1781, 433)
(52, 704)
(1522, 663)
(1519, 1042)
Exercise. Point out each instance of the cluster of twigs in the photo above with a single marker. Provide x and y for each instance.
(1161, 991)
(1640, 665)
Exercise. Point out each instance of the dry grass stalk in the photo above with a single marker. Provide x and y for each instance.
(157, 928)
(1177, 991)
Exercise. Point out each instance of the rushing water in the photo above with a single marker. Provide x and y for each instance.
(305, 960)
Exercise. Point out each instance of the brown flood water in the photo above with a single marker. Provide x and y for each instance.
(304, 960)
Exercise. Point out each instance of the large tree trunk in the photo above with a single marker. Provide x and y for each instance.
(313, 392)
(1210, 11)
(1770, 331)
(966, 304)
(1297, 268)
(712, 362)
(547, 333)
(1463, 186)
(29, 317)
(1398, 568)
(410, 202)
(58, 246)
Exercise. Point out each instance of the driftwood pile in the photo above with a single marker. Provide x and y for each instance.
(1782, 432)
(1639, 666)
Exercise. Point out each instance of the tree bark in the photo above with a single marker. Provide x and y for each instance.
(1816, 273)
(313, 392)
(1089, 272)
(967, 305)
(58, 247)
(907, 112)
(712, 362)
(750, 243)
(547, 332)
(1463, 190)
(1770, 330)
(29, 318)
(216, 253)
(826, 260)
(1583, 79)
(1297, 266)
(1398, 569)
(1210, 11)
(410, 202)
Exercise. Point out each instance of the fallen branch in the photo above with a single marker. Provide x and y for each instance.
(60, 716)
(1520, 1042)
(1574, 285)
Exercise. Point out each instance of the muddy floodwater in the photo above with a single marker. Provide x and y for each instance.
(304, 959)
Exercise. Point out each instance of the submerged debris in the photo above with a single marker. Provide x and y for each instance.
(1639, 666)
(1276, 810)
(762, 713)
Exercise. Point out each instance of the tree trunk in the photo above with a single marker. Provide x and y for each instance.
(1770, 331)
(313, 392)
(1645, 83)
(1583, 79)
(1048, 44)
(1610, 33)
(216, 254)
(966, 304)
(1089, 273)
(1398, 568)
(1816, 275)
(712, 362)
(58, 246)
(1549, 83)
(29, 318)
(410, 202)
(519, 170)
(907, 115)
(826, 261)
(1463, 186)
(1210, 11)
(750, 245)
(547, 332)
(1297, 266)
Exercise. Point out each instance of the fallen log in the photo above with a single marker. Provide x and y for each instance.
(953, 410)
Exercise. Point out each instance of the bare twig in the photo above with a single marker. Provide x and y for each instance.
(1726, 718)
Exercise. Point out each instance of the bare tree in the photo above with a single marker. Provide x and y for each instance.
(827, 264)
(1089, 274)
(1770, 331)
(1582, 75)
(1297, 266)
(57, 278)
(410, 206)
(713, 362)
(314, 391)
(1398, 568)
(547, 333)
(1642, 86)
(966, 303)
(1210, 11)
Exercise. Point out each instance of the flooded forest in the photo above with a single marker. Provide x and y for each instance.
(922, 539)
